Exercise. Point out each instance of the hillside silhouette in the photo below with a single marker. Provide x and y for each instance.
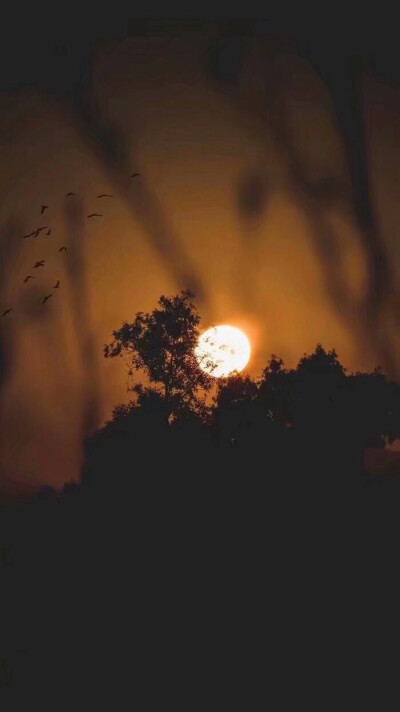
(207, 515)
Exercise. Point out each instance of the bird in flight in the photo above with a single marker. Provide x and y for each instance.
(28, 277)
(7, 311)
(39, 263)
(39, 229)
(30, 234)
(95, 215)
(105, 195)
(46, 298)
(56, 286)
(62, 248)
(43, 208)
(48, 231)
(134, 175)
(68, 194)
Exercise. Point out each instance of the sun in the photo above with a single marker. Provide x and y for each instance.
(222, 350)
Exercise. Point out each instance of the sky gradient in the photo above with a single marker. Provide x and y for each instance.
(217, 186)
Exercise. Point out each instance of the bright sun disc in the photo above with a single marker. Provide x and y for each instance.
(223, 349)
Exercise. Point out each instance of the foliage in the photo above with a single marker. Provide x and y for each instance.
(234, 390)
(161, 344)
(321, 363)
(317, 401)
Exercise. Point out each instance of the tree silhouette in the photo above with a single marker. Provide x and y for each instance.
(235, 389)
(161, 344)
(321, 362)
(306, 396)
(375, 408)
(276, 390)
(320, 393)
(237, 411)
(333, 416)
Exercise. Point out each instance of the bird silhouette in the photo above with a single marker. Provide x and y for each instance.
(105, 195)
(39, 263)
(7, 311)
(39, 229)
(68, 194)
(62, 248)
(56, 286)
(46, 298)
(30, 234)
(95, 215)
(43, 208)
(28, 277)
(134, 175)
(48, 232)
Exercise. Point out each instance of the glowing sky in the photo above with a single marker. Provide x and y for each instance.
(196, 149)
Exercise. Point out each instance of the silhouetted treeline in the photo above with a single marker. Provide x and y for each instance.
(183, 528)
(315, 415)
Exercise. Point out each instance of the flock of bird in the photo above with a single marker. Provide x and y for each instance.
(38, 230)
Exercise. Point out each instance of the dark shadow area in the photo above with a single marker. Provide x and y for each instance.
(195, 525)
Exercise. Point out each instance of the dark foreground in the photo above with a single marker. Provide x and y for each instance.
(195, 579)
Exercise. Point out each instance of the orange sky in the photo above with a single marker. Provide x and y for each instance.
(194, 146)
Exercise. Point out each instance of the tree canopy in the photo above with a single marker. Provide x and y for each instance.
(317, 401)
(161, 344)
